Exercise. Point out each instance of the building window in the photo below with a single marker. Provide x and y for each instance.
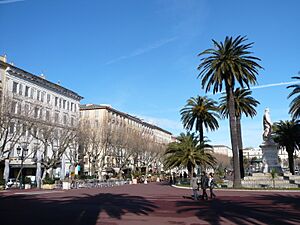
(13, 107)
(60, 103)
(26, 91)
(36, 112)
(12, 128)
(19, 108)
(32, 93)
(20, 89)
(72, 106)
(68, 105)
(42, 96)
(38, 95)
(65, 119)
(15, 87)
(72, 121)
(26, 109)
(48, 98)
(41, 113)
(64, 104)
(47, 115)
(56, 101)
(56, 117)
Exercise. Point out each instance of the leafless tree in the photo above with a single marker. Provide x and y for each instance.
(13, 125)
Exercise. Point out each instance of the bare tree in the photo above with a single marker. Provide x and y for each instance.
(52, 143)
(13, 125)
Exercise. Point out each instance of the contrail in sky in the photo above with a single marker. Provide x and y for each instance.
(275, 84)
(265, 86)
(10, 1)
(141, 51)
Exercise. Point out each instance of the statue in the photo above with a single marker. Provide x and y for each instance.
(269, 147)
(267, 125)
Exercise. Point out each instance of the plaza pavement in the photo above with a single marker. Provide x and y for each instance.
(151, 204)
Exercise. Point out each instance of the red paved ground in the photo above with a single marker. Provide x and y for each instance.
(151, 204)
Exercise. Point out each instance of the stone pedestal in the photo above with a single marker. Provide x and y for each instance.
(270, 157)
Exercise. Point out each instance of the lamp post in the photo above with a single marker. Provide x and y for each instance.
(22, 152)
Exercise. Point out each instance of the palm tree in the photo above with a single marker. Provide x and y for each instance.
(200, 112)
(287, 135)
(225, 65)
(244, 104)
(295, 104)
(189, 153)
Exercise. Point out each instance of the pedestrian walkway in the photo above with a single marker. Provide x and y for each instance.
(148, 204)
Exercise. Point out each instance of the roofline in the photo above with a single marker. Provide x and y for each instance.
(221, 146)
(93, 107)
(39, 80)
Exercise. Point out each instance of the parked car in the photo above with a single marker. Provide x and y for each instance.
(12, 182)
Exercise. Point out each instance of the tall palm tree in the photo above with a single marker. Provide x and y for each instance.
(244, 104)
(225, 65)
(287, 135)
(200, 112)
(295, 104)
(189, 153)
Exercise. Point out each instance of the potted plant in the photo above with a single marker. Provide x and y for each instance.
(48, 183)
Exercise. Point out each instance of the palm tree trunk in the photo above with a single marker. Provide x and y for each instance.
(240, 144)
(291, 161)
(234, 139)
(201, 132)
(190, 169)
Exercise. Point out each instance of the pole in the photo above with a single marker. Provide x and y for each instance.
(21, 179)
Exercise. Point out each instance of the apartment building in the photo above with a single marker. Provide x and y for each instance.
(121, 133)
(33, 104)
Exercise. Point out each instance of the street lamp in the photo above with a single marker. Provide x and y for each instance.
(22, 152)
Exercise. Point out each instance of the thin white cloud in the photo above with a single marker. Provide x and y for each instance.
(263, 86)
(141, 51)
(10, 1)
(275, 84)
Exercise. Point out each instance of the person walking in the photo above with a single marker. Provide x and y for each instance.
(204, 185)
(195, 186)
(211, 185)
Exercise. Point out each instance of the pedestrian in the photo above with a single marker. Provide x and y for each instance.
(195, 186)
(174, 178)
(204, 185)
(171, 180)
(211, 185)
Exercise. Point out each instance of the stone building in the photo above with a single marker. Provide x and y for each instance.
(30, 106)
(119, 141)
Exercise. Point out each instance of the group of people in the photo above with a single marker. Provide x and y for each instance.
(203, 183)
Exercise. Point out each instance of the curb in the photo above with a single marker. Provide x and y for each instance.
(241, 190)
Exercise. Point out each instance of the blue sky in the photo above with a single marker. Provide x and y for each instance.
(141, 56)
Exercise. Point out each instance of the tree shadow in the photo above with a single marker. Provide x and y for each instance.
(267, 209)
(81, 210)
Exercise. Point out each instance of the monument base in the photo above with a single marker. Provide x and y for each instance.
(270, 157)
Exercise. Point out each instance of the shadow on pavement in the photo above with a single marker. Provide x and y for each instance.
(81, 210)
(275, 209)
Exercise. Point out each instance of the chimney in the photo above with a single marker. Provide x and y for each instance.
(3, 58)
(42, 76)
